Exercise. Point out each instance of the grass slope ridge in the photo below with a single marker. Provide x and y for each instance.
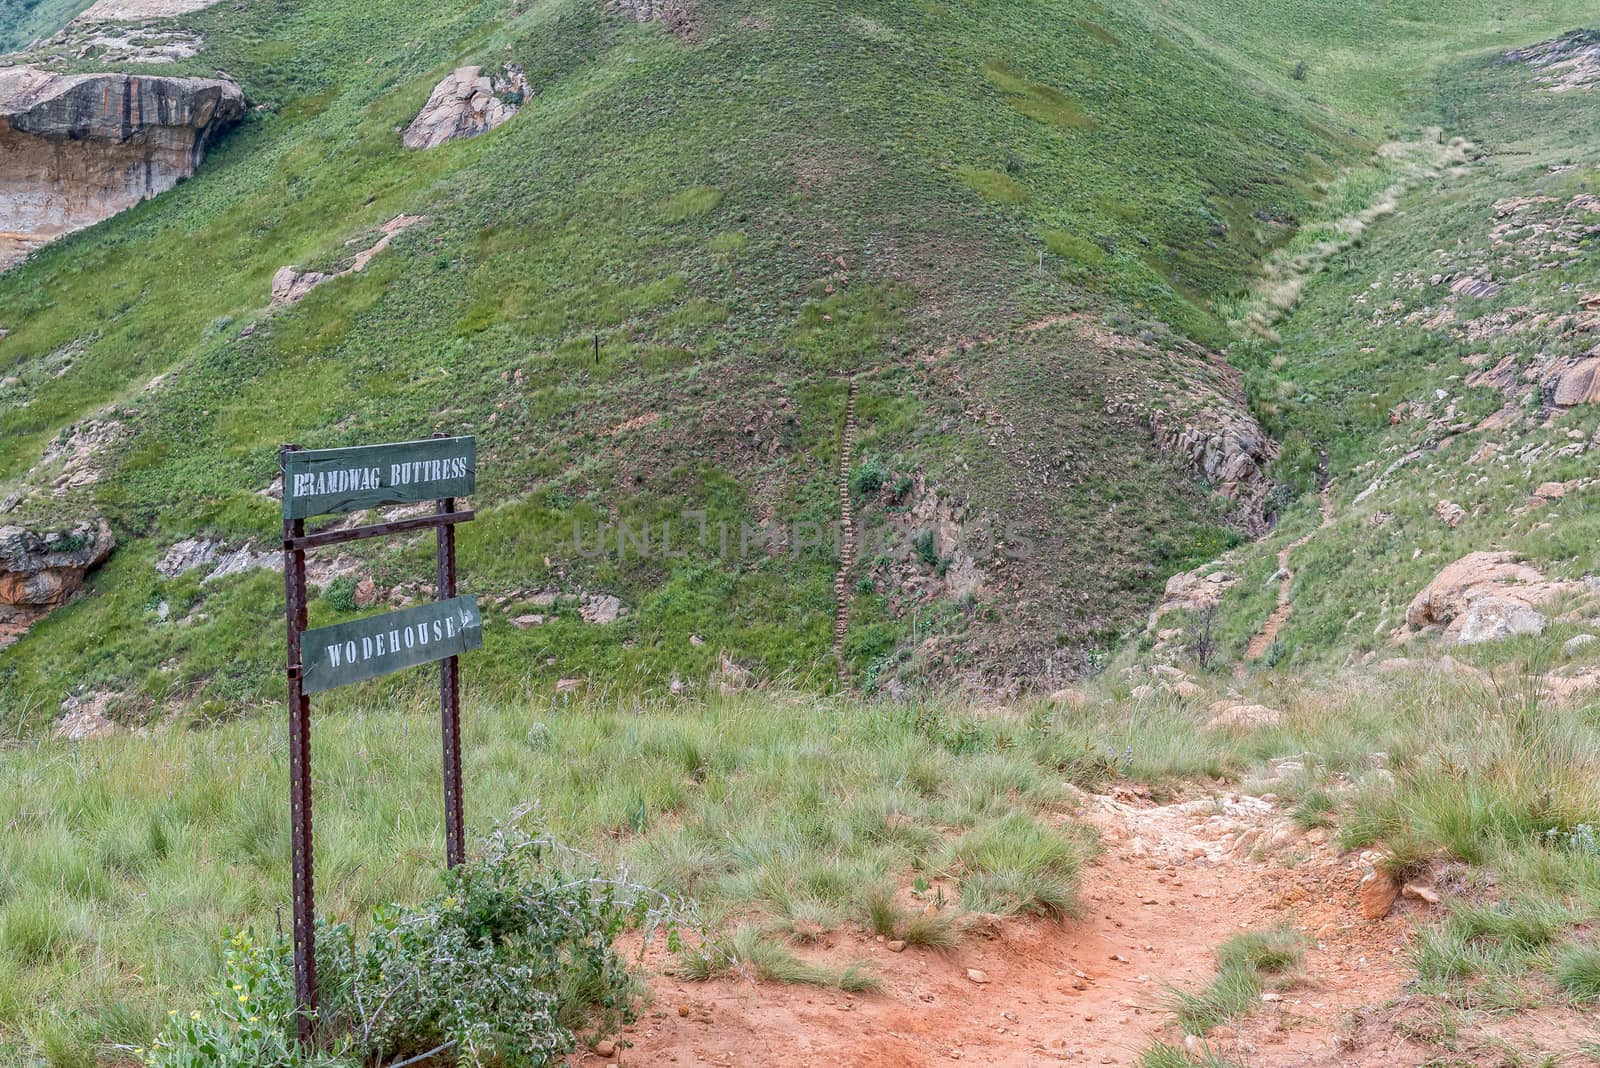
(898, 182)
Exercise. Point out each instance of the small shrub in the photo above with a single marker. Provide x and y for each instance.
(922, 542)
(341, 594)
(1313, 809)
(869, 476)
(500, 968)
(1275, 951)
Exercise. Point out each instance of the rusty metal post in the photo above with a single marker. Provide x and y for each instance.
(455, 849)
(305, 950)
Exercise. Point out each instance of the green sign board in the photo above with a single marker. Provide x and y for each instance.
(377, 645)
(319, 481)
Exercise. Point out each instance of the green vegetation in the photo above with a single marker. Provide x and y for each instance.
(24, 21)
(1246, 964)
(616, 207)
(1371, 368)
(786, 812)
(502, 967)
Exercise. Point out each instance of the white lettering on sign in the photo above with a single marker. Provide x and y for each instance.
(390, 642)
(415, 471)
(339, 480)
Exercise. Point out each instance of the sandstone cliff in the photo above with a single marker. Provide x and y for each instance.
(76, 149)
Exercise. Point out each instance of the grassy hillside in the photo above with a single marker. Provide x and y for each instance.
(744, 216)
(24, 21)
(1374, 368)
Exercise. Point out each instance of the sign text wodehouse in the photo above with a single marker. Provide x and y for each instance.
(319, 481)
(366, 648)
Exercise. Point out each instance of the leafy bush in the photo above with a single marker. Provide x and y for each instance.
(869, 476)
(499, 969)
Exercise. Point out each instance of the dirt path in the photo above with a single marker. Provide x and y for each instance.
(1263, 639)
(842, 592)
(1173, 882)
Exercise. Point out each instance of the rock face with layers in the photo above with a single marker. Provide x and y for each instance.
(41, 572)
(465, 104)
(76, 149)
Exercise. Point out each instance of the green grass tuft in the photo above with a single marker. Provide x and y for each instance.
(1578, 972)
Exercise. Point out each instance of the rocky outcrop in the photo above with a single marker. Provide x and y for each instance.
(1565, 64)
(1225, 445)
(676, 15)
(40, 572)
(465, 104)
(1485, 596)
(76, 149)
(290, 286)
(127, 10)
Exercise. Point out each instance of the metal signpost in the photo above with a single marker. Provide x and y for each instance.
(324, 481)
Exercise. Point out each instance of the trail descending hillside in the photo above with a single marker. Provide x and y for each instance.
(1175, 882)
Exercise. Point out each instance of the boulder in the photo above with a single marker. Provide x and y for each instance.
(1490, 619)
(601, 608)
(1069, 698)
(366, 592)
(79, 148)
(1574, 383)
(40, 572)
(1575, 643)
(1450, 513)
(1510, 592)
(290, 286)
(466, 103)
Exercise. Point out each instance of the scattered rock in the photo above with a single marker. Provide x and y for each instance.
(600, 608)
(465, 104)
(977, 975)
(290, 286)
(605, 1048)
(526, 621)
(1576, 642)
(732, 678)
(186, 555)
(366, 592)
(675, 15)
(1420, 892)
(1376, 895)
(895, 945)
(1480, 288)
(86, 719)
(1248, 717)
(1566, 64)
(1450, 513)
(567, 685)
